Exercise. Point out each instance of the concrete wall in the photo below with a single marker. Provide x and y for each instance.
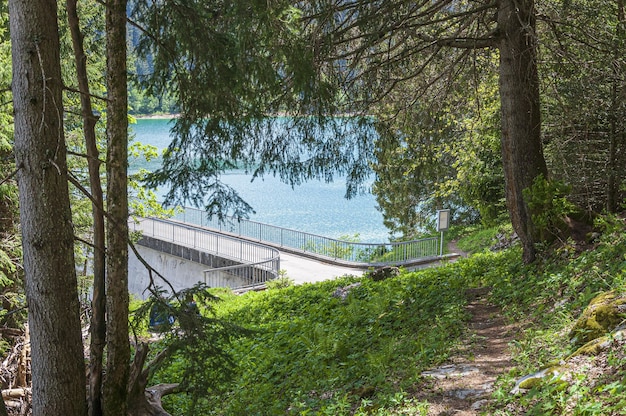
(182, 266)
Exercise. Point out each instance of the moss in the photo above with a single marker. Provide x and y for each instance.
(603, 298)
(536, 380)
(604, 313)
(593, 347)
(531, 383)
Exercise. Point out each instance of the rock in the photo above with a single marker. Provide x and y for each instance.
(476, 406)
(471, 394)
(504, 241)
(451, 370)
(603, 314)
(343, 292)
(593, 347)
(383, 273)
(535, 379)
(595, 331)
(592, 237)
(596, 346)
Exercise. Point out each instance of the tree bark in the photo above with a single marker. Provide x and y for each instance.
(118, 346)
(98, 323)
(58, 373)
(146, 401)
(618, 136)
(3, 407)
(522, 152)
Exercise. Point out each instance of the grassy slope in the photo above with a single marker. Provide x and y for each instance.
(313, 353)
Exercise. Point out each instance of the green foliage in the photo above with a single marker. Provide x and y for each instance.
(281, 282)
(314, 353)
(549, 296)
(12, 305)
(410, 161)
(248, 64)
(195, 342)
(476, 155)
(549, 206)
(475, 239)
(141, 103)
(6, 114)
(441, 153)
(584, 99)
(143, 202)
(309, 352)
(334, 249)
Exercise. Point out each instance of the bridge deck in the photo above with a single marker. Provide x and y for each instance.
(305, 269)
(300, 267)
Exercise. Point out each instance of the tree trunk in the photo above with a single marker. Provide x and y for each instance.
(118, 346)
(58, 372)
(144, 401)
(617, 134)
(522, 152)
(98, 324)
(3, 408)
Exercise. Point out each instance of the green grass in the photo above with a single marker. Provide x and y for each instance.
(548, 297)
(477, 239)
(314, 354)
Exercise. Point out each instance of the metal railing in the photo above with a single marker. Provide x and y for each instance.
(251, 275)
(257, 263)
(374, 254)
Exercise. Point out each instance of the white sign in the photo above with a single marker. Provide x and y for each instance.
(443, 219)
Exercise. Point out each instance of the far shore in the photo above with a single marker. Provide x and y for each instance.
(155, 116)
(176, 115)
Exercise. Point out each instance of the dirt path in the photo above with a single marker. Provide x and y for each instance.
(463, 386)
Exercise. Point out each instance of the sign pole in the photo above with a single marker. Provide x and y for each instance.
(443, 223)
(441, 245)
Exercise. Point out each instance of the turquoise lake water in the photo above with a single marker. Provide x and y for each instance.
(314, 207)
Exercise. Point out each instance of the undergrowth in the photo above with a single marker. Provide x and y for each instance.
(314, 353)
(546, 299)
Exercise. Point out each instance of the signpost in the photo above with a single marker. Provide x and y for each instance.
(443, 223)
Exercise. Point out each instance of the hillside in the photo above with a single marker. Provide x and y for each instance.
(360, 347)
(483, 335)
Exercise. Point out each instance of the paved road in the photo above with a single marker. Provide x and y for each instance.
(302, 269)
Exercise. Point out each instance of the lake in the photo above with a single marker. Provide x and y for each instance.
(315, 207)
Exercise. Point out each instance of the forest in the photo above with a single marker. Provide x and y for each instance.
(508, 112)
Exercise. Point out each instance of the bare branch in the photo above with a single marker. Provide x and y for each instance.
(85, 242)
(83, 155)
(150, 269)
(98, 97)
(156, 362)
(466, 43)
(8, 178)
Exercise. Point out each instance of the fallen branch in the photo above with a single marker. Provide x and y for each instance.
(146, 401)
(23, 363)
(16, 393)
(11, 332)
(155, 394)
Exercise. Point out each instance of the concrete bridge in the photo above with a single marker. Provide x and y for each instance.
(189, 249)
